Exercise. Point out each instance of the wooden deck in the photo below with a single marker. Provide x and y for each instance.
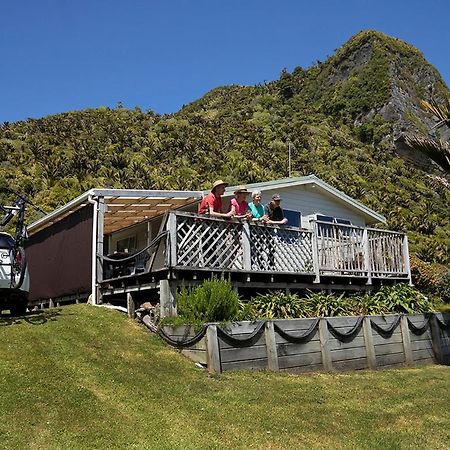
(190, 248)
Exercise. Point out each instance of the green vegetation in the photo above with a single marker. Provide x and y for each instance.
(84, 377)
(212, 301)
(400, 298)
(332, 113)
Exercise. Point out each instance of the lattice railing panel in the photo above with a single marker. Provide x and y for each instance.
(281, 249)
(386, 252)
(340, 248)
(209, 243)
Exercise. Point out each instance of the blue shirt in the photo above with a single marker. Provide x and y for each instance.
(257, 211)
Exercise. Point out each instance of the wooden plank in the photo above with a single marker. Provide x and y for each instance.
(324, 345)
(395, 338)
(394, 358)
(281, 340)
(213, 352)
(423, 354)
(386, 349)
(242, 354)
(303, 369)
(422, 337)
(348, 354)
(253, 364)
(240, 328)
(259, 343)
(271, 346)
(351, 364)
(357, 342)
(300, 360)
(422, 345)
(298, 349)
(196, 355)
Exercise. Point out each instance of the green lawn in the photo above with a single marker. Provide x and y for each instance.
(81, 377)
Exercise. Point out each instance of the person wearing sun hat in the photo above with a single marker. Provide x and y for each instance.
(239, 205)
(274, 211)
(212, 203)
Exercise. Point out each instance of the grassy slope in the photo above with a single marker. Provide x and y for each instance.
(82, 377)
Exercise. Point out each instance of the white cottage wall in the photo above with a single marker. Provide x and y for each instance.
(311, 200)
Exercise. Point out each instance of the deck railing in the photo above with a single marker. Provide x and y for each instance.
(202, 242)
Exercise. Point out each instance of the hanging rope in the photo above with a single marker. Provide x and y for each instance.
(348, 335)
(134, 255)
(443, 325)
(386, 333)
(303, 339)
(183, 344)
(240, 343)
(418, 330)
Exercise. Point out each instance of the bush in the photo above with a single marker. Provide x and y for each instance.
(402, 298)
(275, 305)
(443, 288)
(213, 301)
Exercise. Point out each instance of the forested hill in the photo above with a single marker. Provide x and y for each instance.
(346, 119)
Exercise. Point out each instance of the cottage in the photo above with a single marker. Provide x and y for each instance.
(119, 244)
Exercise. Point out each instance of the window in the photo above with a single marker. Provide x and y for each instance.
(6, 241)
(294, 217)
(323, 229)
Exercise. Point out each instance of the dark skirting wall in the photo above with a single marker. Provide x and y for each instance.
(59, 257)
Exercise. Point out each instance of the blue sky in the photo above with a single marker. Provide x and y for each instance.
(64, 55)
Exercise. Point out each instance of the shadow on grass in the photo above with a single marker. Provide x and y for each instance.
(33, 317)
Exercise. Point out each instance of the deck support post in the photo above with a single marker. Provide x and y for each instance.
(406, 259)
(131, 305)
(168, 297)
(212, 349)
(315, 253)
(172, 228)
(271, 347)
(368, 342)
(324, 336)
(406, 338)
(246, 248)
(366, 249)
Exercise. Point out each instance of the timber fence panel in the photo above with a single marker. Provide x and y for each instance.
(347, 344)
(422, 343)
(253, 357)
(389, 350)
(300, 357)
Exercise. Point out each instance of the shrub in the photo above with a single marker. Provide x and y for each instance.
(328, 305)
(213, 301)
(402, 298)
(443, 288)
(276, 305)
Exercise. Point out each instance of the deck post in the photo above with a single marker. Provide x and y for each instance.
(131, 305)
(324, 336)
(406, 338)
(366, 250)
(436, 339)
(168, 297)
(246, 248)
(271, 347)
(368, 342)
(406, 258)
(212, 349)
(172, 228)
(315, 252)
(102, 207)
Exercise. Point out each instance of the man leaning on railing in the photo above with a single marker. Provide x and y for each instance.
(212, 203)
